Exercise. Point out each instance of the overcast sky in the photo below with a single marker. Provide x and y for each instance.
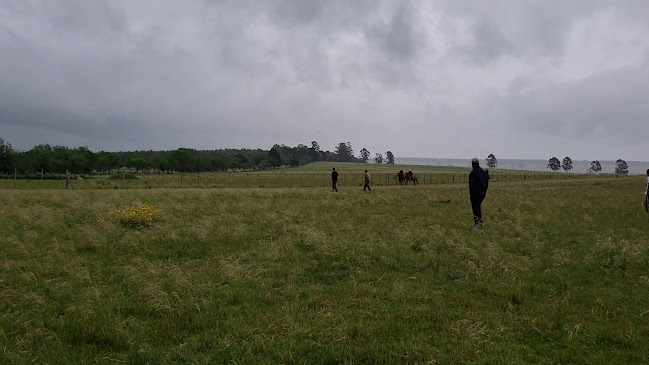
(519, 79)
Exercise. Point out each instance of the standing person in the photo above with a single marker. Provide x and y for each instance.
(334, 180)
(646, 194)
(366, 177)
(478, 185)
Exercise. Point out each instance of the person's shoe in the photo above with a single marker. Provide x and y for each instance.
(476, 222)
(480, 222)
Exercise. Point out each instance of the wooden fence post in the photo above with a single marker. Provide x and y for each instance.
(229, 179)
(15, 172)
(41, 178)
(67, 179)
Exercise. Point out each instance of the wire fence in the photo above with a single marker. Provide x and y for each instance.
(267, 180)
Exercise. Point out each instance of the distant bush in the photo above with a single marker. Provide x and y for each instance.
(125, 176)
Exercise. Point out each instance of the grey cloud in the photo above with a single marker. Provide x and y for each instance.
(215, 74)
(396, 36)
(530, 30)
(73, 18)
(299, 12)
(488, 44)
(334, 15)
(515, 28)
(605, 106)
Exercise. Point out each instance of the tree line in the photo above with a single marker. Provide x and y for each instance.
(81, 160)
(621, 167)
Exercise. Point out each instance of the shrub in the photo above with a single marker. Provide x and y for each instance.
(142, 215)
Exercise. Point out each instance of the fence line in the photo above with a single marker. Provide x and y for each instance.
(269, 180)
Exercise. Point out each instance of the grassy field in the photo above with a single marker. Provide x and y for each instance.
(312, 175)
(558, 275)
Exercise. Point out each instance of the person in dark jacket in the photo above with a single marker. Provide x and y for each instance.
(366, 178)
(646, 193)
(334, 180)
(478, 185)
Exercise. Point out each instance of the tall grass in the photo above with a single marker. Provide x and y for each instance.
(558, 275)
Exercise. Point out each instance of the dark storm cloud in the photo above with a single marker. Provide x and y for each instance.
(214, 74)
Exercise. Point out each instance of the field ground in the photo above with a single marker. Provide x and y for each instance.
(312, 175)
(558, 275)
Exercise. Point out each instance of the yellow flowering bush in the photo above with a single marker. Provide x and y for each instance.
(142, 215)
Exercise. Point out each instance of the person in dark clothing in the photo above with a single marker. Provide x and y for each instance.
(646, 194)
(334, 179)
(366, 178)
(478, 185)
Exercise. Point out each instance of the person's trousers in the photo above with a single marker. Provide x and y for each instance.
(476, 204)
(333, 185)
(367, 186)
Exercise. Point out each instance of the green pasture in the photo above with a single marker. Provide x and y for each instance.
(309, 176)
(350, 167)
(558, 275)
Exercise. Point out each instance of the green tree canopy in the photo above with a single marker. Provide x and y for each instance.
(378, 158)
(621, 168)
(492, 162)
(6, 156)
(390, 157)
(566, 164)
(275, 156)
(365, 155)
(554, 164)
(595, 166)
(344, 152)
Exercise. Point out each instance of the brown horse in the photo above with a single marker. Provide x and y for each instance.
(412, 178)
(405, 177)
